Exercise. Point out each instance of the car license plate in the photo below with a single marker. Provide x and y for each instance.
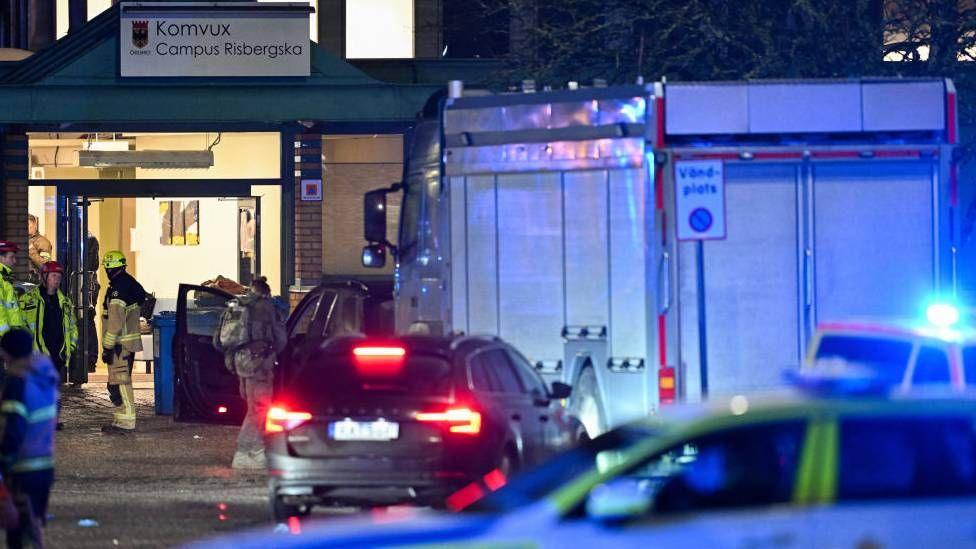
(364, 430)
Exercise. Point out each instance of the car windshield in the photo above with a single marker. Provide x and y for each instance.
(876, 357)
(561, 469)
(339, 377)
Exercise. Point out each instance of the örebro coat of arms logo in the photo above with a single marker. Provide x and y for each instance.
(140, 34)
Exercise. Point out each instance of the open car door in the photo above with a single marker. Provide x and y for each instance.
(203, 388)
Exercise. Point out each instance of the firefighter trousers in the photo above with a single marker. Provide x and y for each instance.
(120, 390)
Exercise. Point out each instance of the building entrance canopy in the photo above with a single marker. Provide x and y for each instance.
(77, 83)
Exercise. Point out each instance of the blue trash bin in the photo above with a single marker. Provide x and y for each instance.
(164, 328)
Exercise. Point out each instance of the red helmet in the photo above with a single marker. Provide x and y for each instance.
(51, 267)
(8, 246)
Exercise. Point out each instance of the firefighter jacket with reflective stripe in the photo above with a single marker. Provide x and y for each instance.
(10, 313)
(32, 305)
(120, 313)
(29, 407)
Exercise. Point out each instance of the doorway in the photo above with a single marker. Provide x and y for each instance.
(183, 207)
(167, 241)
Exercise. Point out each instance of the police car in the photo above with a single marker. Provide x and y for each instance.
(792, 470)
(900, 355)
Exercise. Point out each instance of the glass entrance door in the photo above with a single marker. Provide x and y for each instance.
(78, 251)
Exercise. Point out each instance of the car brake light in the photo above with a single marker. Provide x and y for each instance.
(379, 360)
(221, 409)
(280, 420)
(373, 352)
(461, 420)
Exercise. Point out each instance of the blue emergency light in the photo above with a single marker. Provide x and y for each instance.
(943, 315)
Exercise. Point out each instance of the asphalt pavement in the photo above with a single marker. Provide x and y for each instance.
(164, 485)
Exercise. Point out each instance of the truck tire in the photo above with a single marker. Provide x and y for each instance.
(586, 404)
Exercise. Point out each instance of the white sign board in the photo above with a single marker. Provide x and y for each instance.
(699, 195)
(312, 190)
(245, 39)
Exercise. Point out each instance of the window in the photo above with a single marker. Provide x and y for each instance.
(482, 378)
(381, 29)
(304, 316)
(746, 466)
(203, 311)
(508, 380)
(492, 371)
(907, 457)
(931, 366)
(530, 379)
(331, 377)
(969, 364)
(345, 317)
(409, 220)
(884, 358)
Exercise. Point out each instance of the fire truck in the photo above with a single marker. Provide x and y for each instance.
(662, 242)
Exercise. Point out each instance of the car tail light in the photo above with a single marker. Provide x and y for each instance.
(221, 409)
(460, 420)
(281, 419)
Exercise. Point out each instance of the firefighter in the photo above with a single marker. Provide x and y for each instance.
(29, 410)
(121, 339)
(50, 315)
(10, 314)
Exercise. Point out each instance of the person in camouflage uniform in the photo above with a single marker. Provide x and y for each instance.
(39, 250)
(254, 362)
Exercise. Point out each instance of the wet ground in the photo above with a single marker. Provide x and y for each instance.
(167, 484)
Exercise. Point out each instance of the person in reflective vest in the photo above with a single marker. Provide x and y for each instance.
(121, 339)
(10, 313)
(50, 315)
(29, 408)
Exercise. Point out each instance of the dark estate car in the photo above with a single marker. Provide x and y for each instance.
(205, 390)
(409, 420)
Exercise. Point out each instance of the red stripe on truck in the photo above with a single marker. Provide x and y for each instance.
(662, 341)
(659, 114)
(951, 130)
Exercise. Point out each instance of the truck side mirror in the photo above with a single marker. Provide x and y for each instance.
(560, 390)
(374, 256)
(374, 215)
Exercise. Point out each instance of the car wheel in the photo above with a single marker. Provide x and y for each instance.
(586, 404)
(507, 463)
(281, 512)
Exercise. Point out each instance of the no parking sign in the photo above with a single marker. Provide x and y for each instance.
(699, 195)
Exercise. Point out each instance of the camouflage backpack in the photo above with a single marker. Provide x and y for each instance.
(234, 329)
